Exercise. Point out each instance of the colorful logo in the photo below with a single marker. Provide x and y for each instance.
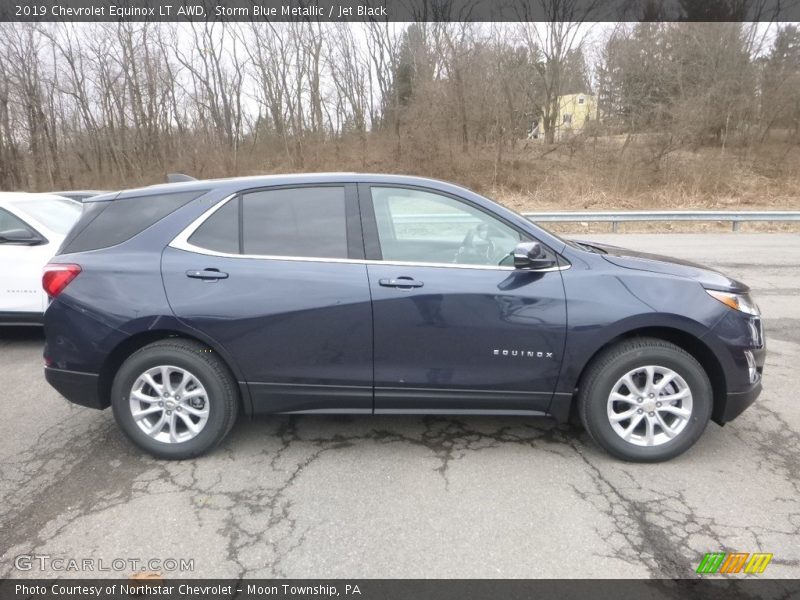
(734, 562)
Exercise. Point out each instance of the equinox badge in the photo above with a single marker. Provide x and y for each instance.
(521, 353)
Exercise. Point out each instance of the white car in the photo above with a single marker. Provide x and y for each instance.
(32, 227)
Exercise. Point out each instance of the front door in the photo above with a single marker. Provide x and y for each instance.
(456, 326)
(276, 277)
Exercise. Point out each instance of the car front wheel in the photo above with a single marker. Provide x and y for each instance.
(645, 400)
(174, 399)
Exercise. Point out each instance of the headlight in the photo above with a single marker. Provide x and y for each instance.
(741, 302)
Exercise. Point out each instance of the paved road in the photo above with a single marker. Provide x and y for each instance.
(416, 497)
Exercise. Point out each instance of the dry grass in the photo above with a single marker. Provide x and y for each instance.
(706, 179)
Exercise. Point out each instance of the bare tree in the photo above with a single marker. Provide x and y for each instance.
(216, 73)
(550, 44)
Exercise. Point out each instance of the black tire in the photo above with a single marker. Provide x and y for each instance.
(612, 364)
(205, 366)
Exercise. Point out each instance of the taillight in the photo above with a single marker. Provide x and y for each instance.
(56, 277)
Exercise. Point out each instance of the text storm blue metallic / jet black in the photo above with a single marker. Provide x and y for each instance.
(183, 304)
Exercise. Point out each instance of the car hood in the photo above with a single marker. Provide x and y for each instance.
(656, 263)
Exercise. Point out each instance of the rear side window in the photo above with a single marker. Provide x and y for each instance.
(105, 224)
(220, 232)
(304, 221)
(300, 222)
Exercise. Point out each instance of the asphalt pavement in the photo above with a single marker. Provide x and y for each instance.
(364, 497)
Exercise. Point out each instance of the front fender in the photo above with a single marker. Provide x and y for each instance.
(605, 303)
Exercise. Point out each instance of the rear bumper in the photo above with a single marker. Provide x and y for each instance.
(79, 388)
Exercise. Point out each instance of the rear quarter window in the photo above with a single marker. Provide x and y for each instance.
(220, 232)
(112, 222)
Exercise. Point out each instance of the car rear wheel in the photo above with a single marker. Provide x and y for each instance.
(174, 399)
(645, 400)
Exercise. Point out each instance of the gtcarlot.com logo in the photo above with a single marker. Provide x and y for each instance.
(734, 562)
(45, 562)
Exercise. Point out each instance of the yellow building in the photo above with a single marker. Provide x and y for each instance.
(574, 112)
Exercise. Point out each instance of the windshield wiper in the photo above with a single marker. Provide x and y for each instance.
(590, 247)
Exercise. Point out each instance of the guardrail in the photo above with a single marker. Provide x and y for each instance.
(616, 217)
(734, 216)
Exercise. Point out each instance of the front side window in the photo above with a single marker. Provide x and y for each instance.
(303, 222)
(419, 226)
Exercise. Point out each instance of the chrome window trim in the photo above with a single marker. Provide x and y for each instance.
(181, 242)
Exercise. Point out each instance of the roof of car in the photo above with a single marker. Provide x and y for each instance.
(235, 183)
(15, 196)
(71, 194)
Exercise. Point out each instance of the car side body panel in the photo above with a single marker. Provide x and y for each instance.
(310, 347)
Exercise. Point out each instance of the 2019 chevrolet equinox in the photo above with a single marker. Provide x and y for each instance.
(184, 304)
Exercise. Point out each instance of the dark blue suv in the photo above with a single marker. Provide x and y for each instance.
(184, 304)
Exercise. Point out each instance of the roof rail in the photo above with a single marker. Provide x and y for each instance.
(178, 178)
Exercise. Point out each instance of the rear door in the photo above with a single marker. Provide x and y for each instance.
(456, 326)
(21, 293)
(277, 277)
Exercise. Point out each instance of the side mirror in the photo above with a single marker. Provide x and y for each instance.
(24, 237)
(531, 256)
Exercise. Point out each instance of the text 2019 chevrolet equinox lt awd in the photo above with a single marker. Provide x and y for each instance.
(182, 305)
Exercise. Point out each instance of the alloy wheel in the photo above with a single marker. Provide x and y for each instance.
(169, 404)
(649, 406)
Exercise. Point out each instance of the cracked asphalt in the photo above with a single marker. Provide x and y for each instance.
(368, 497)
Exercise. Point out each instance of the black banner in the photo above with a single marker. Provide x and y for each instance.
(400, 10)
(402, 589)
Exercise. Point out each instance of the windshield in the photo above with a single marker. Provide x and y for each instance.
(57, 214)
(532, 218)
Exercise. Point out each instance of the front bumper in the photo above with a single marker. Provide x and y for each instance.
(79, 388)
(741, 349)
(737, 402)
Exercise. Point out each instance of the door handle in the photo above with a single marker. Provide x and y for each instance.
(207, 274)
(401, 282)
